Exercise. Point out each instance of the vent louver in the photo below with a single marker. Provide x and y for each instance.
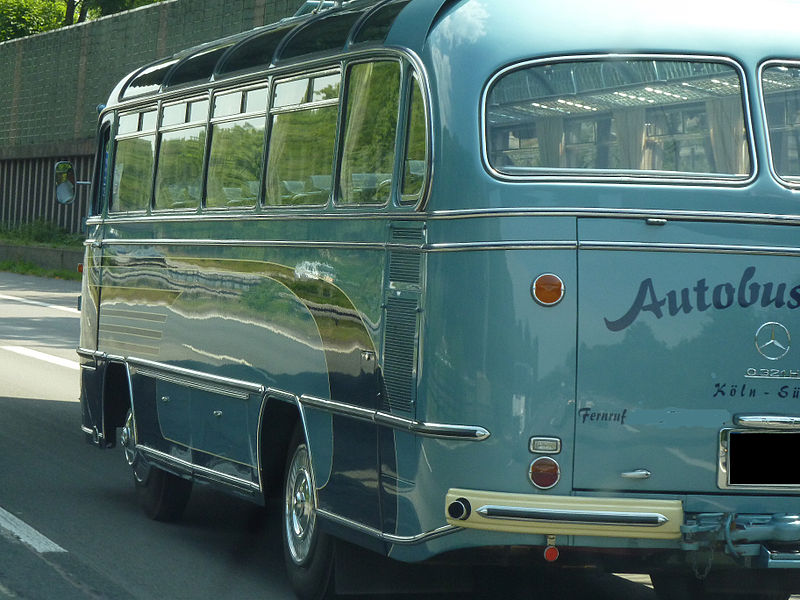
(399, 352)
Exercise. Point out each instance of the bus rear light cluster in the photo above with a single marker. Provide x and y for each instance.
(544, 472)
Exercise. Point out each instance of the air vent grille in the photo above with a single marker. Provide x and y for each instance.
(404, 266)
(408, 235)
(399, 355)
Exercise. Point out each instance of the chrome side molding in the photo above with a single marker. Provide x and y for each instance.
(782, 422)
(435, 430)
(403, 540)
(237, 388)
(581, 517)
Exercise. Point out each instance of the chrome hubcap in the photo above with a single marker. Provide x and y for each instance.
(300, 511)
(127, 440)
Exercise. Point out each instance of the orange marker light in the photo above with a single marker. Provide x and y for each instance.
(80, 267)
(547, 289)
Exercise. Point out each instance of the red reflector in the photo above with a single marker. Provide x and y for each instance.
(544, 472)
(80, 267)
(551, 554)
(547, 289)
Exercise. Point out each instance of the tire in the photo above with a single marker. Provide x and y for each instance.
(682, 586)
(162, 496)
(307, 551)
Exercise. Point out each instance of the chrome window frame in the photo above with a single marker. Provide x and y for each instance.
(188, 123)
(399, 134)
(647, 177)
(330, 70)
(246, 114)
(116, 137)
(270, 76)
(774, 62)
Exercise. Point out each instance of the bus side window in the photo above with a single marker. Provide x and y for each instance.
(134, 159)
(415, 159)
(236, 157)
(370, 131)
(179, 176)
(302, 141)
(101, 184)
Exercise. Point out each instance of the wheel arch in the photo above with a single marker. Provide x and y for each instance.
(279, 417)
(117, 399)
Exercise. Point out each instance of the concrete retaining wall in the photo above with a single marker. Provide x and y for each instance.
(47, 258)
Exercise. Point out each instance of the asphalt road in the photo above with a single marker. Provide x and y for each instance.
(70, 527)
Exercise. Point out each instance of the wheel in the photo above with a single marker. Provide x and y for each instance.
(682, 586)
(307, 551)
(162, 496)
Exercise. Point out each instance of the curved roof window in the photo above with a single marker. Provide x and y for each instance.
(325, 34)
(256, 51)
(376, 26)
(196, 68)
(148, 80)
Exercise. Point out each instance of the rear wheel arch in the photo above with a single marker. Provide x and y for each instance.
(278, 421)
(117, 400)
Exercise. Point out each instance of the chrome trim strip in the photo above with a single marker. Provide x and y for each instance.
(477, 246)
(617, 213)
(87, 430)
(193, 383)
(162, 371)
(784, 423)
(434, 430)
(198, 471)
(579, 175)
(402, 540)
(505, 245)
(579, 517)
(599, 213)
(691, 248)
(224, 385)
(248, 243)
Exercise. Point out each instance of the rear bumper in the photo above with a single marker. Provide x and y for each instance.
(564, 515)
(766, 541)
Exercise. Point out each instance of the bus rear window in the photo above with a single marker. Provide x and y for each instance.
(640, 117)
(781, 86)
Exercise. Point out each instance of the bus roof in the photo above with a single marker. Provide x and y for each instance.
(306, 36)
(480, 34)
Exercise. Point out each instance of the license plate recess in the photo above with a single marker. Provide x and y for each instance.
(763, 458)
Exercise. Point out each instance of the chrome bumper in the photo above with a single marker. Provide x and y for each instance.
(564, 515)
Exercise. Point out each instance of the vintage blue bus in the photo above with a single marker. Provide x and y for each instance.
(463, 278)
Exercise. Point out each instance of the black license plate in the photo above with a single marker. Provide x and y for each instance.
(763, 458)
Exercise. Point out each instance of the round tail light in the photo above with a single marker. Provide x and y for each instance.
(547, 289)
(544, 472)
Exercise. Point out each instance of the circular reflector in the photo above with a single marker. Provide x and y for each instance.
(544, 472)
(547, 289)
(551, 554)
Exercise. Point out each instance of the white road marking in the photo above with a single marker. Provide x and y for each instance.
(56, 360)
(73, 311)
(27, 534)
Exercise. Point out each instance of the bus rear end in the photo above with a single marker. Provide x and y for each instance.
(613, 294)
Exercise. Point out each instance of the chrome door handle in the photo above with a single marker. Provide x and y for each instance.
(637, 474)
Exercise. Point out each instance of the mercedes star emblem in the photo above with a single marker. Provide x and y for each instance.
(773, 340)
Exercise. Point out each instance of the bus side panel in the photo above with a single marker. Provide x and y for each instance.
(91, 369)
(492, 357)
